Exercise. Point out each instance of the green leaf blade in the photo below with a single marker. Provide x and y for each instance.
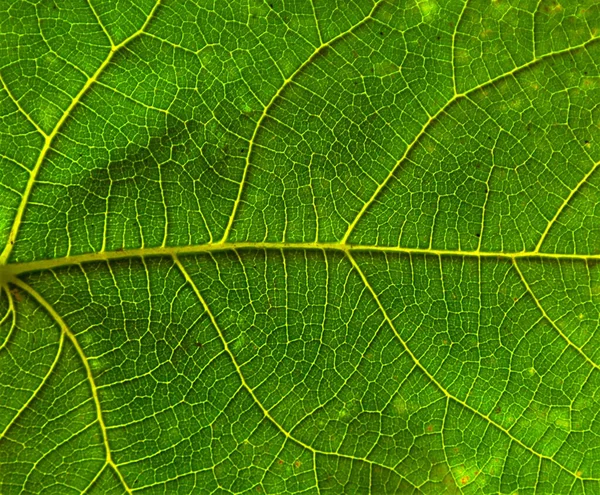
(273, 247)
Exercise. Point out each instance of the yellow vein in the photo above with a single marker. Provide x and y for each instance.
(248, 388)
(50, 137)
(96, 478)
(14, 269)
(431, 119)
(444, 447)
(314, 466)
(66, 331)
(11, 310)
(36, 169)
(314, 11)
(213, 320)
(538, 303)
(268, 106)
(10, 307)
(438, 384)
(20, 108)
(564, 205)
(533, 40)
(100, 23)
(453, 46)
(39, 387)
(143, 28)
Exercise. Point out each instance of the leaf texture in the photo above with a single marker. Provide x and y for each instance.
(300, 247)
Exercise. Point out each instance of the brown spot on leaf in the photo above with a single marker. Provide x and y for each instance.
(17, 294)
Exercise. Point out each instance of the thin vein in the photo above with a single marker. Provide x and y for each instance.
(10, 307)
(14, 231)
(538, 303)
(314, 10)
(247, 387)
(533, 38)
(434, 118)
(66, 331)
(21, 109)
(36, 169)
(460, 16)
(444, 447)
(564, 204)
(19, 164)
(100, 23)
(438, 384)
(10, 310)
(34, 394)
(269, 105)
(96, 478)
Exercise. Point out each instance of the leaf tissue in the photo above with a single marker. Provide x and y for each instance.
(300, 246)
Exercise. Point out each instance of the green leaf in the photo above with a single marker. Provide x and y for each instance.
(300, 246)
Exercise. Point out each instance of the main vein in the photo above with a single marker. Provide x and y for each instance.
(14, 269)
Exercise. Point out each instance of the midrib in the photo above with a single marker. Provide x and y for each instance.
(13, 269)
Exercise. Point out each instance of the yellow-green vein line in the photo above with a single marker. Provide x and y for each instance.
(14, 269)
(14, 231)
(100, 23)
(538, 303)
(432, 119)
(438, 384)
(268, 106)
(93, 482)
(141, 29)
(10, 310)
(453, 46)
(564, 204)
(39, 387)
(247, 387)
(66, 331)
(21, 109)
(47, 145)
(314, 11)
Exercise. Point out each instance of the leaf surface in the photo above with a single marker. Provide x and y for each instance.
(300, 247)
